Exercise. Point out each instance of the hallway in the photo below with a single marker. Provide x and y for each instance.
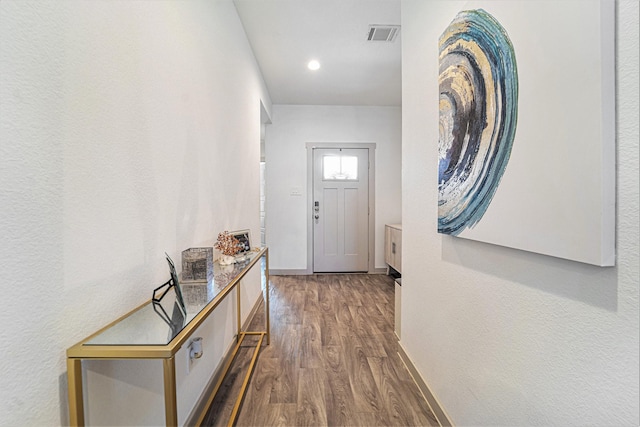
(332, 360)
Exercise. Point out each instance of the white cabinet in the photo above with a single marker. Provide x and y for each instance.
(393, 246)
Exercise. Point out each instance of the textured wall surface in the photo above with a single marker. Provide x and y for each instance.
(505, 337)
(127, 129)
(295, 125)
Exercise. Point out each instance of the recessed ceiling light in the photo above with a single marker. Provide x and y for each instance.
(313, 65)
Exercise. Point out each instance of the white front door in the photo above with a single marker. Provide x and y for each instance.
(340, 209)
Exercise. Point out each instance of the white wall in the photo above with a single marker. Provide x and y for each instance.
(127, 129)
(286, 167)
(505, 337)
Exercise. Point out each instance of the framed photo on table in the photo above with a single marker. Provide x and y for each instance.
(244, 237)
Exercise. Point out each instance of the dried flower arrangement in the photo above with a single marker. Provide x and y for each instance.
(227, 244)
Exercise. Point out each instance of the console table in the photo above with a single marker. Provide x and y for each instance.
(144, 333)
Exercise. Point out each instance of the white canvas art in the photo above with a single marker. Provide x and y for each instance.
(527, 127)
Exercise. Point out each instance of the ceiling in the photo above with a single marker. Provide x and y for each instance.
(286, 34)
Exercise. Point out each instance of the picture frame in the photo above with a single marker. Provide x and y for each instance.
(244, 237)
(175, 283)
(536, 115)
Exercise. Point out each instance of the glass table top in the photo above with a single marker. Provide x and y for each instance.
(158, 323)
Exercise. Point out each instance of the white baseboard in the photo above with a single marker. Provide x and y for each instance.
(289, 272)
(434, 404)
(301, 272)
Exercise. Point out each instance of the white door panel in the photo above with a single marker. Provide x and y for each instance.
(341, 210)
(351, 218)
(329, 239)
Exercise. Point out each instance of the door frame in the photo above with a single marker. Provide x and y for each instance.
(372, 195)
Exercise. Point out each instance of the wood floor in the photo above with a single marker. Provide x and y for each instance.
(332, 360)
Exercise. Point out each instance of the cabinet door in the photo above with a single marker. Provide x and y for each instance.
(396, 249)
(387, 245)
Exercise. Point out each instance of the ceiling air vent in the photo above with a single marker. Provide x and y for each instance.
(383, 33)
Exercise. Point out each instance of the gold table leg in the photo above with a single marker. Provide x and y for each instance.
(170, 402)
(266, 300)
(76, 403)
(238, 313)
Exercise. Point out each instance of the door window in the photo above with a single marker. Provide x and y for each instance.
(340, 168)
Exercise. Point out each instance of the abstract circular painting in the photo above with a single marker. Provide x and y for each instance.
(478, 115)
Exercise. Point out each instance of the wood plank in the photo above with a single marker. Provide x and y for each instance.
(363, 385)
(312, 405)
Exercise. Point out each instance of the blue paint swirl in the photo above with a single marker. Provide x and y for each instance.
(478, 116)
